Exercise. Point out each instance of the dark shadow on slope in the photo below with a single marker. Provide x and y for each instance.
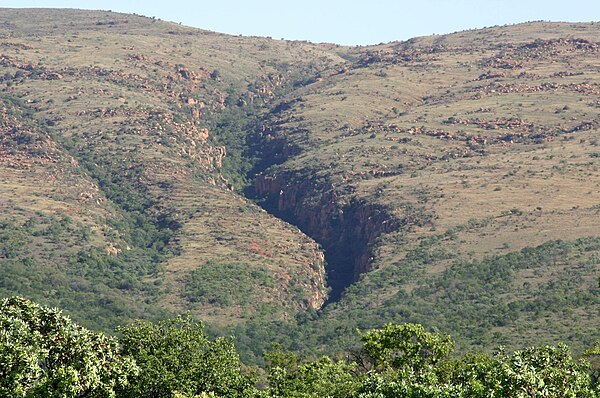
(346, 233)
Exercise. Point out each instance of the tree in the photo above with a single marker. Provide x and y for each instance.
(44, 354)
(406, 360)
(321, 378)
(593, 356)
(176, 356)
(405, 346)
(546, 371)
(410, 363)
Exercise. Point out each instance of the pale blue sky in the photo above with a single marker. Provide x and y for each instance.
(343, 22)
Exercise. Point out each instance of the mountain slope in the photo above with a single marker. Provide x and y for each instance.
(426, 158)
(125, 97)
(447, 180)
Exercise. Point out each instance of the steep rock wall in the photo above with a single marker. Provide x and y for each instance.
(346, 232)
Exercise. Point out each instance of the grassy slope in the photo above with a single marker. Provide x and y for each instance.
(479, 144)
(55, 237)
(485, 141)
(130, 98)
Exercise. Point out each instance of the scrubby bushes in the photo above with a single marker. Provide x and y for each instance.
(44, 354)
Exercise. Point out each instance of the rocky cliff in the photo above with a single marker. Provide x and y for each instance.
(347, 231)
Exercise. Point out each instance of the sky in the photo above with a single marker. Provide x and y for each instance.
(349, 22)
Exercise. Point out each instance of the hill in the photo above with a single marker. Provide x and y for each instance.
(122, 101)
(446, 180)
(426, 167)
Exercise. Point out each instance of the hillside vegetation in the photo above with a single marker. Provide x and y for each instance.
(292, 192)
(123, 102)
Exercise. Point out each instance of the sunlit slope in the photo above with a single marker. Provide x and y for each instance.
(447, 180)
(58, 235)
(130, 99)
(453, 149)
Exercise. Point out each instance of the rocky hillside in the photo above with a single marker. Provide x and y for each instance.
(289, 188)
(105, 130)
(436, 172)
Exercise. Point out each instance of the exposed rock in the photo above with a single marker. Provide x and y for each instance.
(540, 49)
(347, 232)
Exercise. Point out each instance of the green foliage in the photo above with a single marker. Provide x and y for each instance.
(593, 356)
(479, 302)
(225, 284)
(405, 346)
(410, 362)
(280, 358)
(398, 384)
(13, 242)
(542, 371)
(321, 378)
(546, 371)
(99, 289)
(406, 360)
(231, 129)
(137, 223)
(288, 376)
(176, 355)
(45, 354)
(595, 350)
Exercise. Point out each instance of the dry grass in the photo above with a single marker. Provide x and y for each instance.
(134, 93)
(449, 131)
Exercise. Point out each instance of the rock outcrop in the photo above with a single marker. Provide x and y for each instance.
(347, 232)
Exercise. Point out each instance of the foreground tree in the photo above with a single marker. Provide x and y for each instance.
(593, 356)
(409, 362)
(407, 346)
(318, 379)
(177, 356)
(44, 354)
(406, 363)
(546, 371)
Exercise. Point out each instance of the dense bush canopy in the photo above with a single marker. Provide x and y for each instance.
(44, 354)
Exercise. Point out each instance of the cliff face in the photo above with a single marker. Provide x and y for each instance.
(347, 232)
